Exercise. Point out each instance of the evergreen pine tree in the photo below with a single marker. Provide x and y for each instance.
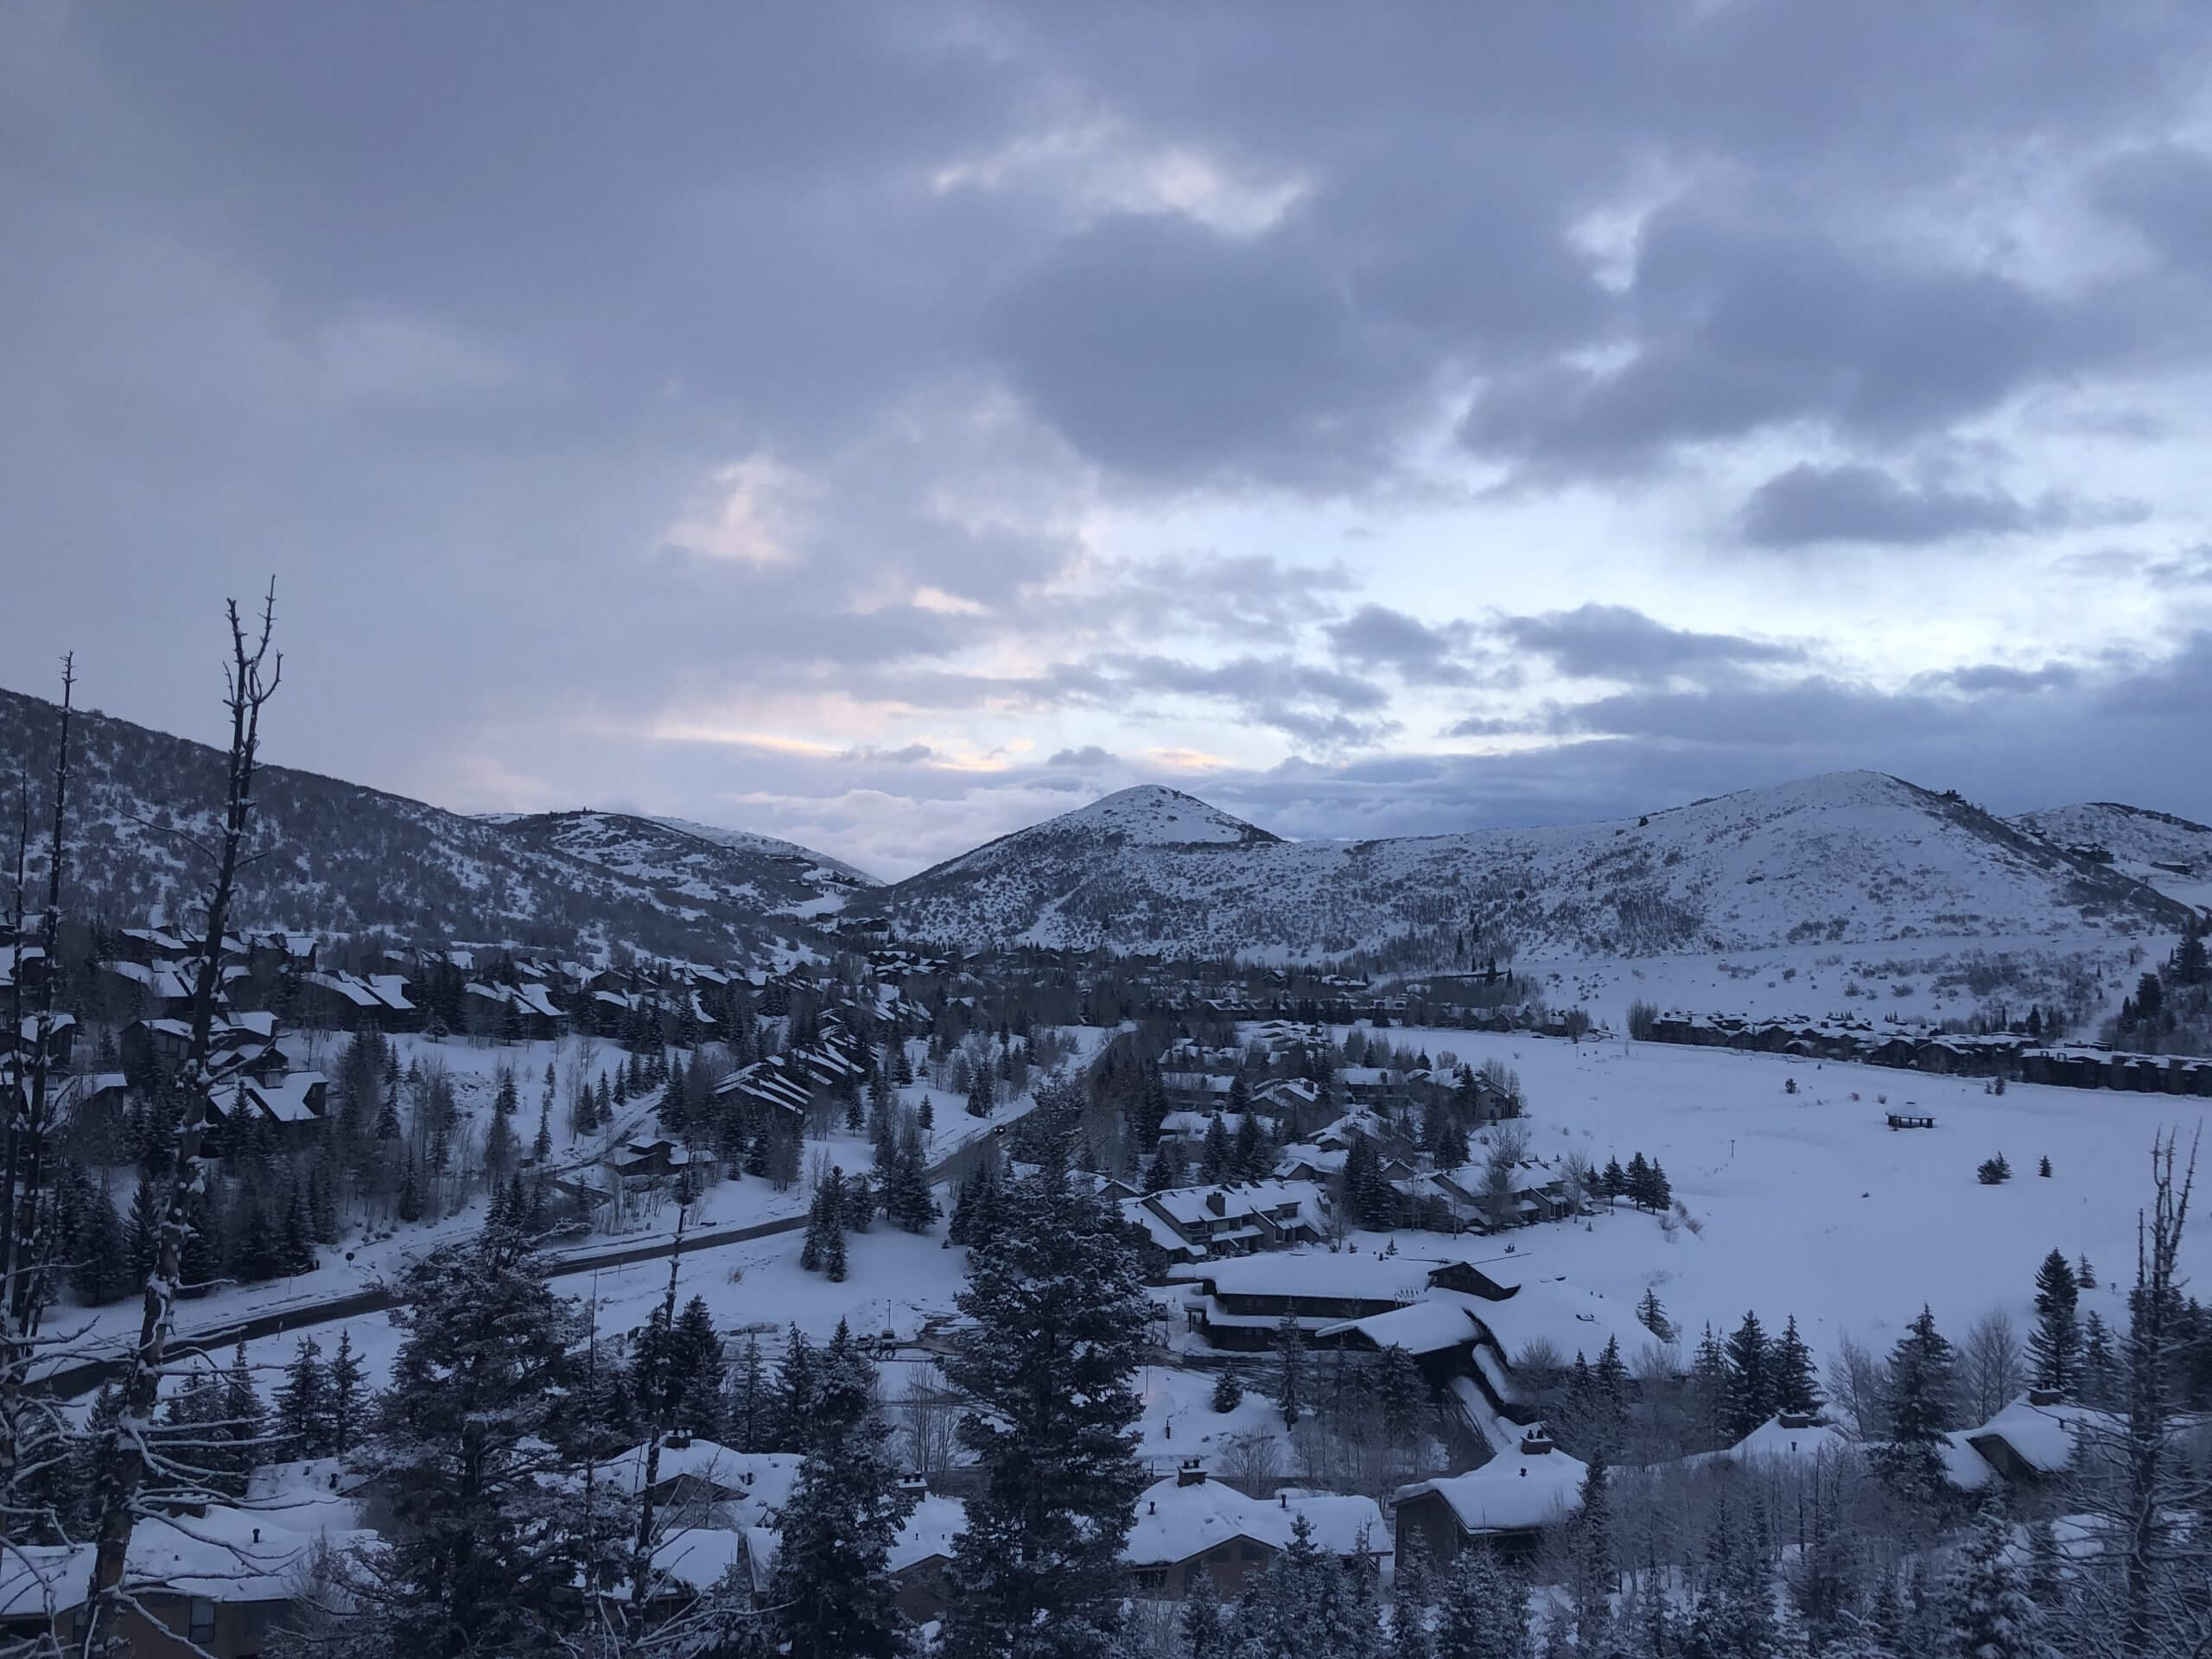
(349, 1395)
(245, 1424)
(1481, 1611)
(100, 1272)
(1991, 1616)
(1922, 1372)
(1797, 1378)
(1290, 1370)
(477, 1556)
(832, 1583)
(2099, 1366)
(1206, 1633)
(1751, 1391)
(1652, 1315)
(1058, 1310)
(1596, 1567)
(541, 1146)
(506, 1100)
(1413, 1595)
(303, 1405)
(141, 1234)
(794, 1393)
(1215, 1161)
(1228, 1391)
(748, 1409)
(2055, 1343)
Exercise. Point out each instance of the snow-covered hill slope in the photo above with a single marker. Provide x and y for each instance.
(2173, 855)
(750, 873)
(341, 858)
(1850, 857)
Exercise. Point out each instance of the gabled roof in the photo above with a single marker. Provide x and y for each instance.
(1515, 1491)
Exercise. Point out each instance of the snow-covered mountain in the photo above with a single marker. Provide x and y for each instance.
(342, 858)
(2173, 854)
(1850, 857)
(734, 867)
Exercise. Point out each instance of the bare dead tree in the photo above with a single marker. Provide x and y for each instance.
(28, 1245)
(2134, 1474)
(251, 679)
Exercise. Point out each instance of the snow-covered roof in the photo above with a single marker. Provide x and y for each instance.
(930, 1531)
(757, 1483)
(1175, 1521)
(697, 1557)
(287, 1099)
(1550, 1310)
(1515, 1491)
(2043, 1437)
(229, 1554)
(1194, 1205)
(1772, 1441)
(1428, 1326)
(1313, 1273)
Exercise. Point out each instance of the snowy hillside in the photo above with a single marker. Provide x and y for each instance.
(1848, 858)
(694, 862)
(2173, 855)
(340, 857)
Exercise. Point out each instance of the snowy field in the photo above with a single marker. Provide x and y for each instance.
(1808, 1203)
(1930, 978)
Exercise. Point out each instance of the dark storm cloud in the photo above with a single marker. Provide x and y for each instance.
(1615, 642)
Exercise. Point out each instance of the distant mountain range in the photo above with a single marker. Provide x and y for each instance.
(1848, 858)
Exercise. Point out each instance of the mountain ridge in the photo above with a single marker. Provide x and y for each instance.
(1852, 856)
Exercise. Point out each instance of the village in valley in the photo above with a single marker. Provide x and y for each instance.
(1419, 1271)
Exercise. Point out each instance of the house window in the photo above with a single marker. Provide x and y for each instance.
(203, 1619)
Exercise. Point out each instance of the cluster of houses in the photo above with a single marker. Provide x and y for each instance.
(2010, 1055)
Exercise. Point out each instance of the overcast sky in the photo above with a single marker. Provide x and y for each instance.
(888, 426)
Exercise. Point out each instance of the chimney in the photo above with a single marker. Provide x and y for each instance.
(1191, 1472)
(1535, 1443)
(916, 1485)
(1217, 1203)
(679, 1438)
(1283, 1498)
(2046, 1396)
(1152, 1506)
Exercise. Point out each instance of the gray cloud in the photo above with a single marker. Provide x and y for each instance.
(1807, 505)
(1615, 642)
(1090, 758)
(449, 338)
(1374, 636)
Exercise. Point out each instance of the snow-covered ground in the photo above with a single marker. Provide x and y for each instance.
(368, 1255)
(1808, 1203)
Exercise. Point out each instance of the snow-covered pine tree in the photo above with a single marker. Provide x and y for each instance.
(1058, 1314)
(1306, 1602)
(833, 1589)
(1481, 1612)
(1205, 1631)
(476, 1557)
(1651, 1313)
(1922, 1395)
(1990, 1615)
(2055, 1343)
(349, 1395)
(1290, 1370)
(303, 1412)
(1228, 1392)
(1797, 1378)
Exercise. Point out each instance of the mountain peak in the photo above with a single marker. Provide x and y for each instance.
(1154, 815)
